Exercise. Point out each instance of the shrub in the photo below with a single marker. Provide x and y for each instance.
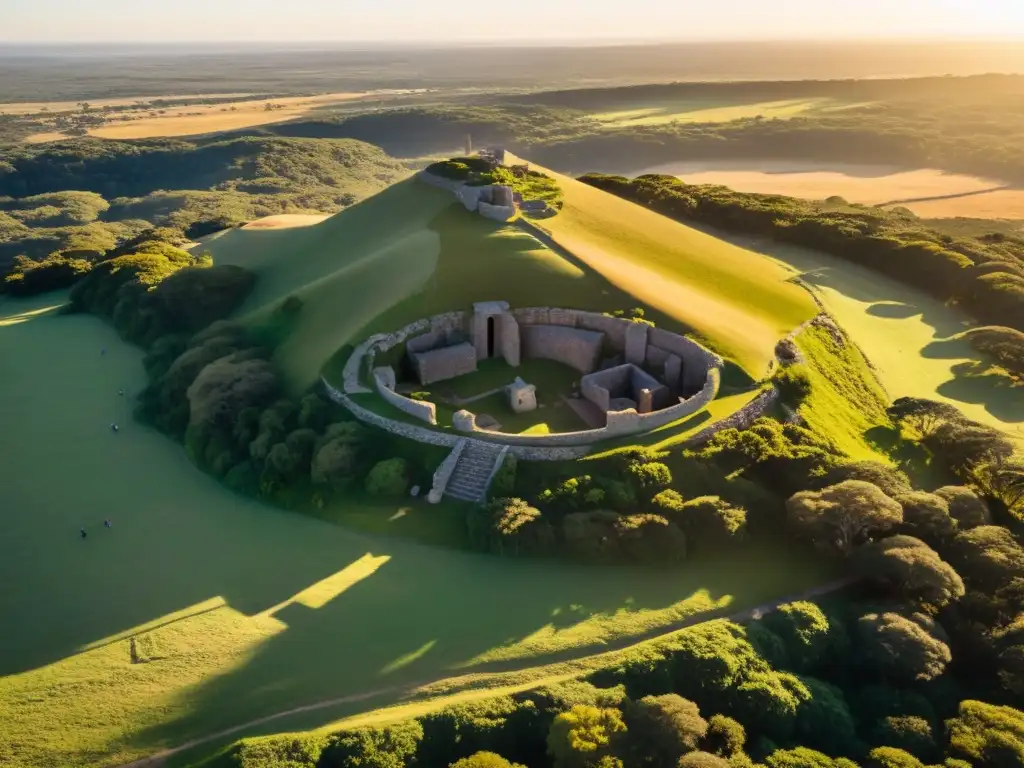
(793, 383)
(388, 478)
(504, 481)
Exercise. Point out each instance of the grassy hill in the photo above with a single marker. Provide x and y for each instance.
(736, 300)
(410, 251)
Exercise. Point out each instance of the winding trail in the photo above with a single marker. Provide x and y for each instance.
(159, 759)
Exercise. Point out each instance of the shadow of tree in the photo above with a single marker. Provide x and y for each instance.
(978, 383)
(894, 310)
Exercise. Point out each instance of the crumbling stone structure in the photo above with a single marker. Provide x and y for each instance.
(444, 363)
(384, 380)
(575, 347)
(522, 397)
(624, 387)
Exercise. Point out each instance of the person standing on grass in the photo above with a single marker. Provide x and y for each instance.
(82, 532)
(107, 524)
(113, 428)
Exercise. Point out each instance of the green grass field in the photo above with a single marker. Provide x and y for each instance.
(912, 340)
(846, 401)
(738, 302)
(199, 610)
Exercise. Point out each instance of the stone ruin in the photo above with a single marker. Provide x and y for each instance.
(648, 379)
(492, 201)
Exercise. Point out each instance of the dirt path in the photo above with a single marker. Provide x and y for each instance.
(159, 759)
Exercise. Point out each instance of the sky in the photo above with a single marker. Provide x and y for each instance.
(512, 20)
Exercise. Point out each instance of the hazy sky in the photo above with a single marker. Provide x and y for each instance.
(464, 20)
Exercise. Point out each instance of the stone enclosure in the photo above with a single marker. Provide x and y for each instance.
(635, 377)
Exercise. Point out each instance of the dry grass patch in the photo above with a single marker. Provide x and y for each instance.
(713, 111)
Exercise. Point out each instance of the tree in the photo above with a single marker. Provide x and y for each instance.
(840, 516)
(824, 720)
(910, 568)
(768, 701)
(649, 538)
(583, 736)
(591, 535)
(927, 516)
(988, 557)
(1009, 641)
(661, 729)
(388, 478)
(802, 757)
(905, 649)
(965, 506)
(387, 747)
(891, 757)
(988, 735)
(314, 413)
(906, 732)
(510, 526)
(923, 416)
(484, 760)
(809, 637)
(711, 521)
(725, 736)
(1003, 479)
(702, 760)
(892, 481)
(651, 476)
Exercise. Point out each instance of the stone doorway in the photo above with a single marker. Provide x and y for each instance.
(490, 337)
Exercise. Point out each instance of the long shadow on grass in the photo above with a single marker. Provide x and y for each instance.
(427, 615)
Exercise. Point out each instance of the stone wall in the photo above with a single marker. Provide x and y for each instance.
(602, 387)
(742, 419)
(574, 347)
(631, 422)
(444, 363)
(696, 359)
(432, 437)
(501, 213)
(426, 412)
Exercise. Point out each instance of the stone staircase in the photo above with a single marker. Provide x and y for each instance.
(469, 480)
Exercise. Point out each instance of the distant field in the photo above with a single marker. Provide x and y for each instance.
(928, 192)
(199, 610)
(196, 119)
(715, 111)
(31, 107)
(737, 301)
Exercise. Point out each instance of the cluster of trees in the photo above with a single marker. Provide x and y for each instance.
(805, 687)
(122, 189)
(628, 513)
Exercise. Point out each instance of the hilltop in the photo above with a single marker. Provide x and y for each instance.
(411, 251)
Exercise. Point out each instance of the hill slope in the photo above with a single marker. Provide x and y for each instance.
(739, 302)
(410, 251)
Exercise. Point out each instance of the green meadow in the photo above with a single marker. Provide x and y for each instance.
(199, 610)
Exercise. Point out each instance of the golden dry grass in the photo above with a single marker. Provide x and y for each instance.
(712, 112)
(32, 107)
(287, 221)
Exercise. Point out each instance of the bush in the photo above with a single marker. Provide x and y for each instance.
(793, 383)
(388, 478)
(504, 482)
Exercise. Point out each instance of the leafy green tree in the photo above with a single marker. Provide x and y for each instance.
(484, 760)
(906, 732)
(388, 747)
(809, 636)
(768, 701)
(1002, 478)
(824, 720)
(793, 383)
(591, 535)
(891, 480)
(711, 521)
(649, 538)
(988, 557)
(510, 526)
(725, 737)
(926, 516)
(965, 506)
(840, 516)
(661, 729)
(802, 757)
(584, 736)
(987, 735)
(891, 757)
(280, 752)
(314, 413)
(702, 760)
(911, 569)
(388, 478)
(1009, 642)
(905, 649)
(650, 477)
